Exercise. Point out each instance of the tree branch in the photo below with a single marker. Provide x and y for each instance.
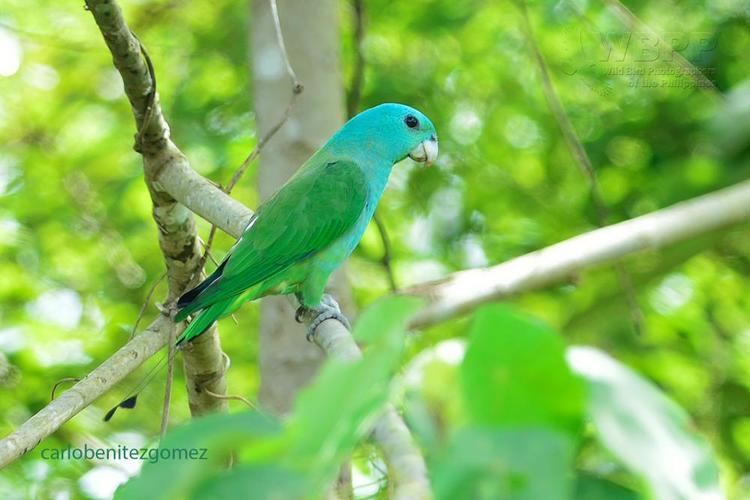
(177, 232)
(99, 381)
(465, 290)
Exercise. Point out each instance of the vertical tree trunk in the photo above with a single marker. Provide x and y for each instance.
(311, 35)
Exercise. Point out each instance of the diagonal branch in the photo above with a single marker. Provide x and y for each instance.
(463, 291)
(118, 366)
(177, 232)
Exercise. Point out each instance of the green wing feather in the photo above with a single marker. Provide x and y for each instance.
(314, 209)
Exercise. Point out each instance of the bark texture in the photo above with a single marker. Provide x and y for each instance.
(178, 237)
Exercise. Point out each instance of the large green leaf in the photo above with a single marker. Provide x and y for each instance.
(259, 481)
(386, 319)
(514, 373)
(217, 434)
(589, 487)
(339, 408)
(649, 433)
(496, 464)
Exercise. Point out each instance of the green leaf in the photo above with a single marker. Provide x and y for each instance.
(514, 373)
(339, 408)
(216, 434)
(494, 464)
(649, 433)
(386, 318)
(590, 487)
(264, 481)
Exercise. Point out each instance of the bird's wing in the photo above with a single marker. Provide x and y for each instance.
(315, 208)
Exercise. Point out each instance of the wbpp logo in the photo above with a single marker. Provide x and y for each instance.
(645, 58)
(649, 47)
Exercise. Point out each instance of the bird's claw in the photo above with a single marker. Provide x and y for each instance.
(329, 309)
(299, 316)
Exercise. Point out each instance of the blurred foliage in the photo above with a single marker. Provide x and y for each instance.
(482, 455)
(78, 249)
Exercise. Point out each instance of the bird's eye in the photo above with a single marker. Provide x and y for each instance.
(411, 121)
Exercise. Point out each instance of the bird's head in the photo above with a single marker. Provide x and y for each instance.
(393, 131)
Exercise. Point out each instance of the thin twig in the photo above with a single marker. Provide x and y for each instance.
(231, 397)
(60, 382)
(210, 255)
(297, 89)
(170, 377)
(146, 302)
(261, 143)
(584, 163)
(358, 74)
(352, 107)
(228, 397)
(296, 85)
(241, 170)
(387, 255)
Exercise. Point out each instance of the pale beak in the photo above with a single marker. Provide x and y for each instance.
(426, 151)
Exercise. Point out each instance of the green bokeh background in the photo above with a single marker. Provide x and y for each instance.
(78, 248)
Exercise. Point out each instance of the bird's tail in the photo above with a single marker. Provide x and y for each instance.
(204, 320)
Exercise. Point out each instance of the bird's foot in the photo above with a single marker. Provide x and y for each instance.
(328, 309)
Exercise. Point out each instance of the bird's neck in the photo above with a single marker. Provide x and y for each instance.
(375, 161)
(364, 145)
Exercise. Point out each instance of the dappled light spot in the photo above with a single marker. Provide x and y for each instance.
(628, 152)
(8, 172)
(522, 132)
(61, 352)
(41, 76)
(421, 270)
(450, 352)
(673, 292)
(102, 481)
(9, 229)
(466, 125)
(11, 53)
(109, 85)
(61, 307)
(12, 339)
(474, 254)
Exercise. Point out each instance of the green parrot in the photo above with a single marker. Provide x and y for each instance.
(304, 232)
